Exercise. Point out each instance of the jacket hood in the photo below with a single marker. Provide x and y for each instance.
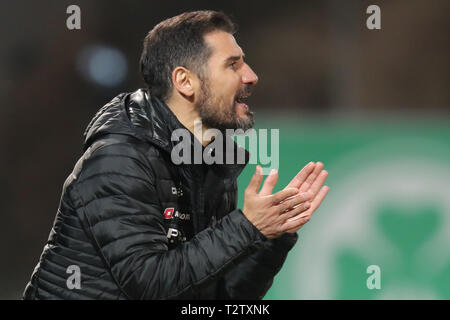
(135, 114)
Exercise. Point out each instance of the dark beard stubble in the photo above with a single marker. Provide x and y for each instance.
(213, 116)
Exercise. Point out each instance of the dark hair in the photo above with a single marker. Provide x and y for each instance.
(178, 41)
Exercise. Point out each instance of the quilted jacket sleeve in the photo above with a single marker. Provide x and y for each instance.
(251, 276)
(121, 213)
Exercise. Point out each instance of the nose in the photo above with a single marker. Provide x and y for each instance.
(249, 76)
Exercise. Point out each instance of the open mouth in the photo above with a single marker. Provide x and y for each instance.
(241, 101)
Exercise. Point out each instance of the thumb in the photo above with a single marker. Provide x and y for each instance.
(269, 183)
(255, 182)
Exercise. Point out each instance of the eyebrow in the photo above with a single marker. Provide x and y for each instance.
(235, 58)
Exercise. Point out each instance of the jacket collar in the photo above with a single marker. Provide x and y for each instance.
(148, 118)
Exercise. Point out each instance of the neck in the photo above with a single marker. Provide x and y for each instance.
(188, 116)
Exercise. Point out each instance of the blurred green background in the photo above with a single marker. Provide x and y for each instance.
(372, 105)
(387, 206)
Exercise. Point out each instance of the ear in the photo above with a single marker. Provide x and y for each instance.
(182, 80)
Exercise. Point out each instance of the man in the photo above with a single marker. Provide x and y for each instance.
(133, 225)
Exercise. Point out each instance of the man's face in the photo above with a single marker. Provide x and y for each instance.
(228, 80)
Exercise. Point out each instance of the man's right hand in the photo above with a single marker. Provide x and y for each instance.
(270, 213)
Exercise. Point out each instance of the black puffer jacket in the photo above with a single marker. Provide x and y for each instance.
(139, 227)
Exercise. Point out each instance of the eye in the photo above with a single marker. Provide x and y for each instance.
(233, 64)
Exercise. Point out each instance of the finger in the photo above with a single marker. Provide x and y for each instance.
(269, 183)
(297, 181)
(319, 198)
(255, 181)
(315, 187)
(295, 211)
(295, 201)
(314, 204)
(292, 225)
(283, 195)
(299, 226)
(312, 177)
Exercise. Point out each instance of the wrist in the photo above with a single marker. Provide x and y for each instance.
(261, 235)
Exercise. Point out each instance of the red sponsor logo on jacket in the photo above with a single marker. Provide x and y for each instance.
(168, 213)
